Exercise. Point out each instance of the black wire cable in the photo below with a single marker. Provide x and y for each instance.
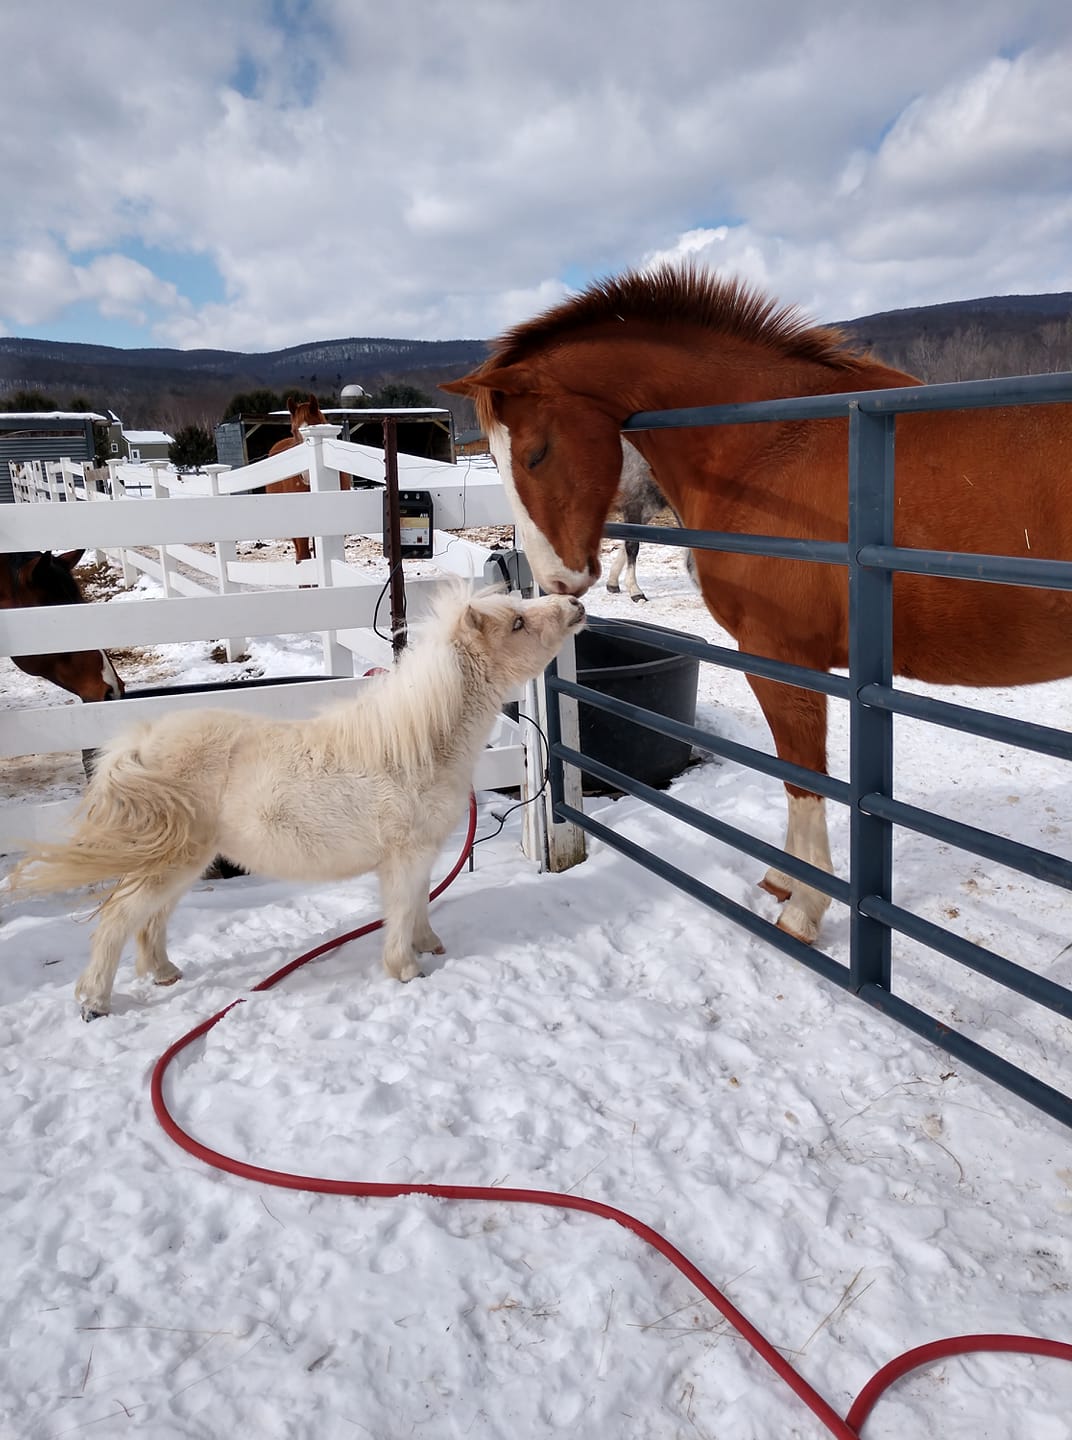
(379, 601)
(502, 819)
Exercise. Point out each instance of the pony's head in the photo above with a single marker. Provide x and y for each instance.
(510, 640)
(559, 456)
(304, 411)
(41, 578)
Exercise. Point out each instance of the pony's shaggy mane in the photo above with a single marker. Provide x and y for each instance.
(409, 716)
(683, 294)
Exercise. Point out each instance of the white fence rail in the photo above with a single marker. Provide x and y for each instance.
(173, 513)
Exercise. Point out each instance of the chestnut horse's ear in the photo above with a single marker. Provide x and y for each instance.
(70, 558)
(505, 379)
(292, 403)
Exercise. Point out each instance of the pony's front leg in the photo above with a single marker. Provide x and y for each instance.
(797, 719)
(404, 887)
(425, 939)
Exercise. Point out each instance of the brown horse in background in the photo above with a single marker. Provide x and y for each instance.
(36, 577)
(302, 412)
(553, 398)
(638, 501)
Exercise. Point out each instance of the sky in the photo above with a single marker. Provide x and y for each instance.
(265, 173)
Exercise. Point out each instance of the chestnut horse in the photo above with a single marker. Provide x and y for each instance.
(302, 412)
(38, 577)
(554, 395)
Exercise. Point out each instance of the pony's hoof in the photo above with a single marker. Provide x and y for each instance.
(780, 894)
(636, 598)
(88, 1013)
(168, 979)
(405, 971)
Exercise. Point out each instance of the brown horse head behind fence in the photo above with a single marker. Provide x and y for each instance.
(302, 412)
(41, 578)
(553, 398)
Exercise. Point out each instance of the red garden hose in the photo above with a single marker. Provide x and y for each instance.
(843, 1429)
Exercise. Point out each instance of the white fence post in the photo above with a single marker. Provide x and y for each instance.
(565, 841)
(161, 492)
(117, 491)
(225, 553)
(338, 660)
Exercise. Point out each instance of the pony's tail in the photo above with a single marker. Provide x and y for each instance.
(136, 823)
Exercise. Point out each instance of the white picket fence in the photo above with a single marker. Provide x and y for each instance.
(153, 533)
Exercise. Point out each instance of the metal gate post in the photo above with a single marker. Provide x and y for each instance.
(871, 508)
(396, 579)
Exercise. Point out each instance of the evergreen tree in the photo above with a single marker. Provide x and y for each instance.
(192, 448)
(29, 400)
(255, 402)
(398, 395)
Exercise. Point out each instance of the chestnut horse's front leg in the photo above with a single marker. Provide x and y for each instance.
(797, 719)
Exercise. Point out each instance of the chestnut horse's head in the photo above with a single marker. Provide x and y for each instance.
(305, 411)
(560, 458)
(41, 578)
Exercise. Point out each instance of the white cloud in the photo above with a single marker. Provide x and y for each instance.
(40, 282)
(438, 169)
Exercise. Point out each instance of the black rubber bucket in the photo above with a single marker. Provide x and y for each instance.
(209, 687)
(643, 673)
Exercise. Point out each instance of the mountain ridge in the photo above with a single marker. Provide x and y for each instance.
(952, 340)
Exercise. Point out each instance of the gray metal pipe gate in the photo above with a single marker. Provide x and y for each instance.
(872, 559)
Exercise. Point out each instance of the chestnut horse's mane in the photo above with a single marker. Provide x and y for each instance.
(675, 294)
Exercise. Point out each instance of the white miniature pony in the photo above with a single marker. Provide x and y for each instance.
(375, 783)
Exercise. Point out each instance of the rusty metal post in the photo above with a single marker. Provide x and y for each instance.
(394, 536)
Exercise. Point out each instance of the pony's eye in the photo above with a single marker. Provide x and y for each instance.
(519, 623)
(536, 456)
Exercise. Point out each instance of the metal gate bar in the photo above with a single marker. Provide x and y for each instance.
(872, 559)
(831, 885)
(783, 770)
(974, 957)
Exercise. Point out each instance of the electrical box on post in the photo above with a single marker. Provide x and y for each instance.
(416, 515)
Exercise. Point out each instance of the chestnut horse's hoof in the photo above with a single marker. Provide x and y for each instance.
(805, 939)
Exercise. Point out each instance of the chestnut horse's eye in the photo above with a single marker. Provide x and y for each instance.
(519, 623)
(536, 456)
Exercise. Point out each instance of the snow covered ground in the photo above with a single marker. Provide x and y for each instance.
(854, 1190)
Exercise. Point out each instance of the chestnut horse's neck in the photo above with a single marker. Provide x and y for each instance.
(671, 368)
